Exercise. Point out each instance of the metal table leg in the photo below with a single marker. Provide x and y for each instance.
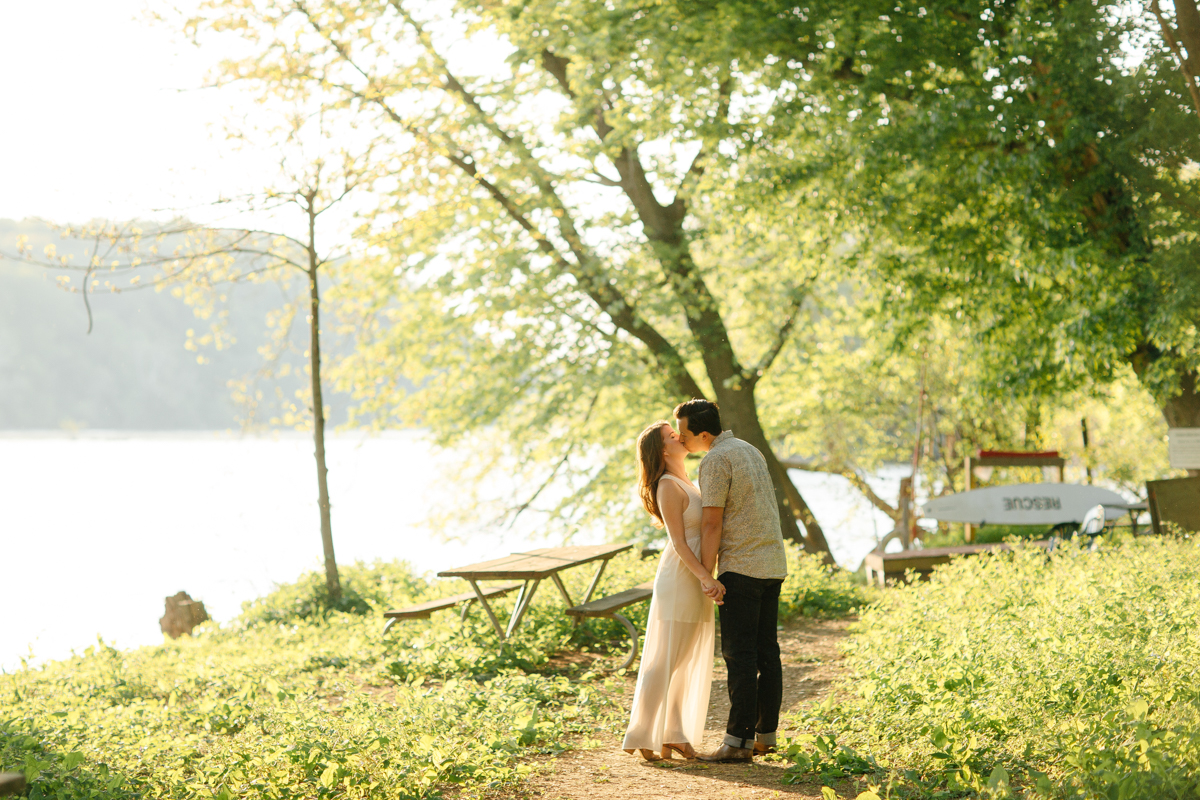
(518, 611)
(633, 637)
(462, 615)
(595, 581)
(587, 595)
(483, 602)
(562, 590)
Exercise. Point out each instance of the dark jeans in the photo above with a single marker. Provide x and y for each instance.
(751, 649)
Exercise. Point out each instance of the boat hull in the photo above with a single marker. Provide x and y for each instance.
(1025, 504)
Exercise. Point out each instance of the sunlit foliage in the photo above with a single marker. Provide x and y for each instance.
(302, 696)
(1018, 675)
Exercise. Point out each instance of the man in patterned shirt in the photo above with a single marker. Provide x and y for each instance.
(740, 531)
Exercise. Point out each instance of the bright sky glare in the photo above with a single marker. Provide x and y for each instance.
(103, 115)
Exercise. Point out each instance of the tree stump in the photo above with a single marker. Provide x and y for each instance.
(182, 614)
(12, 783)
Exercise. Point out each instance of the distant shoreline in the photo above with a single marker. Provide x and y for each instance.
(100, 434)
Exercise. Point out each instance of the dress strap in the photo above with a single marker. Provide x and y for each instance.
(681, 482)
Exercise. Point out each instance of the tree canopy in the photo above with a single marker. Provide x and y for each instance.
(592, 211)
(1037, 176)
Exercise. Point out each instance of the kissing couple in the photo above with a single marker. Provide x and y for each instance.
(731, 522)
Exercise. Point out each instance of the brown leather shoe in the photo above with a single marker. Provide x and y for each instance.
(725, 754)
(761, 749)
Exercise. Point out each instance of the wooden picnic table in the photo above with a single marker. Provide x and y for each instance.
(532, 568)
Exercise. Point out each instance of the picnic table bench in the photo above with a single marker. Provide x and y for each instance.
(424, 610)
(12, 783)
(609, 606)
(881, 566)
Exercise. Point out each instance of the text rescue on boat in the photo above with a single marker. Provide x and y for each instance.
(1032, 503)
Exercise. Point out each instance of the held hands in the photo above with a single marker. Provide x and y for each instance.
(714, 589)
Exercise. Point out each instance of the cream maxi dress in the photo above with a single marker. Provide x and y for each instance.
(675, 676)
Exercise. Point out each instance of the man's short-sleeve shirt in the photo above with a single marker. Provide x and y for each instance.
(734, 476)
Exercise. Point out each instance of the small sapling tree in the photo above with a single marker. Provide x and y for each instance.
(200, 263)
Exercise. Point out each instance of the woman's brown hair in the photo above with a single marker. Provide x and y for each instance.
(651, 467)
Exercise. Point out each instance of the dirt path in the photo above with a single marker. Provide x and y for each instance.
(810, 662)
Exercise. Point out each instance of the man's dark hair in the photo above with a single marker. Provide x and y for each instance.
(703, 416)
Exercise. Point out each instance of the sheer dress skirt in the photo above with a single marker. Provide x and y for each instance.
(670, 702)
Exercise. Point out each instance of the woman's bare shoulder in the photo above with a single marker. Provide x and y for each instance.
(669, 488)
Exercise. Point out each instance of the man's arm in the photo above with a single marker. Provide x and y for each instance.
(711, 519)
(715, 480)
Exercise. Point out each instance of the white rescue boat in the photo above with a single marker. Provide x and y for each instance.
(1026, 504)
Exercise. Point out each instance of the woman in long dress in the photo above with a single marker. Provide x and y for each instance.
(671, 700)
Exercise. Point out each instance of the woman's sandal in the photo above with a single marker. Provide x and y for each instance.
(648, 755)
(685, 750)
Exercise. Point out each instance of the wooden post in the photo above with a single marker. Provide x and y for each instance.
(968, 530)
(1087, 466)
(905, 513)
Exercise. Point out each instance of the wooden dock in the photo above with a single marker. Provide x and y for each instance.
(884, 566)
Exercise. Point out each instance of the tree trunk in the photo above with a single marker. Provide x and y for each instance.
(1187, 23)
(332, 583)
(1181, 410)
(1187, 33)
(734, 387)
(739, 413)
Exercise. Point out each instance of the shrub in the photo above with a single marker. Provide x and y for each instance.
(1068, 676)
(816, 589)
(364, 587)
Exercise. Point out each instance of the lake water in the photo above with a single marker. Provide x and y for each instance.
(97, 528)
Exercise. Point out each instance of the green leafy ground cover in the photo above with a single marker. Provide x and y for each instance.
(300, 697)
(1018, 675)
(303, 697)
